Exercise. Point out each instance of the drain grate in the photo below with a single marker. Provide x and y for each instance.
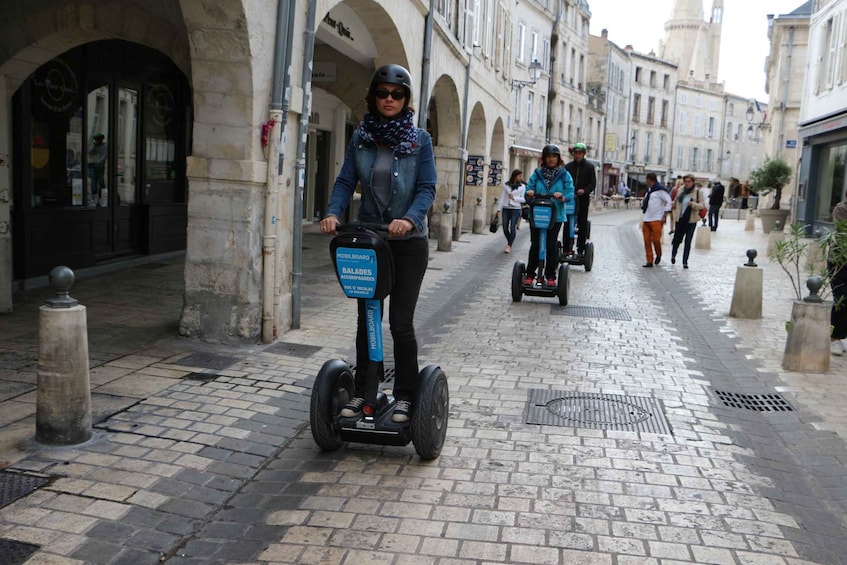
(16, 552)
(16, 485)
(293, 349)
(759, 402)
(591, 312)
(387, 379)
(597, 411)
(207, 361)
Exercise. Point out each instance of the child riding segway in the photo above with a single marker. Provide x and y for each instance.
(549, 189)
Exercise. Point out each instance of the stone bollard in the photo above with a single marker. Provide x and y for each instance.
(479, 224)
(775, 236)
(63, 394)
(703, 238)
(445, 230)
(747, 293)
(807, 346)
(750, 221)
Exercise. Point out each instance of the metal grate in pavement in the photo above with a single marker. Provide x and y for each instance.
(760, 402)
(16, 552)
(293, 349)
(207, 361)
(597, 411)
(389, 374)
(17, 485)
(591, 312)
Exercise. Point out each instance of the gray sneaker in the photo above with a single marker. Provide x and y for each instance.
(837, 348)
(353, 408)
(402, 410)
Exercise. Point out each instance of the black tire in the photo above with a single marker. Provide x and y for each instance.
(430, 412)
(562, 284)
(333, 389)
(518, 272)
(589, 256)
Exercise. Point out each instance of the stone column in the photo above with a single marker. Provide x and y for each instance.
(747, 293)
(63, 394)
(478, 217)
(445, 230)
(808, 343)
(750, 221)
(703, 238)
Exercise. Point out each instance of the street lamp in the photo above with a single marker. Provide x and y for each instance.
(535, 69)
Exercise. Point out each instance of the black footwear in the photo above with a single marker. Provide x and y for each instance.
(647, 264)
(353, 408)
(402, 410)
(673, 260)
(685, 266)
(658, 260)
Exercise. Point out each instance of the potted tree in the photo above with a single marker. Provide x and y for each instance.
(771, 178)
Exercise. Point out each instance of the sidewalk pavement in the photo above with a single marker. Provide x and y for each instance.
(187, 432)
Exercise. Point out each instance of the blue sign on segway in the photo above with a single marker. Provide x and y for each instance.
(356, 271)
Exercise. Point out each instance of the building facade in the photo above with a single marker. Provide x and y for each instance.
(823, 116)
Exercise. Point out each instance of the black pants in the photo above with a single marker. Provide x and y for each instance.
(582, 205)
(410, 260)
(714, 212)
(684, 229)
(552, 261)
(838, 318)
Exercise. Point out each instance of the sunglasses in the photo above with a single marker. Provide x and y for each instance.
(382, 94)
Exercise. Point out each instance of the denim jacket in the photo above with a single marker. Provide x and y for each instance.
(562, 183)
(412, 184)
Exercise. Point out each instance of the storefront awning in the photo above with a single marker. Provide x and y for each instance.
(523, 151)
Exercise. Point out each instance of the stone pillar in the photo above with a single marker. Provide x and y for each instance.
(63, 394)
(478, 226)
(808, 343)
(445, 231)
(815, 259)
(703, 238)
(750, 221)
(747, 293)
(774, 237)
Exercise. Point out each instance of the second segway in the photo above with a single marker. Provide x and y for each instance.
(542, 217)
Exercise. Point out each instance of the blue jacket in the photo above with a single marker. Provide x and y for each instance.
(412, 184)
(562, 183)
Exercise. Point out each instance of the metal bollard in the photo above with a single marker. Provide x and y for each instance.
(63, 394)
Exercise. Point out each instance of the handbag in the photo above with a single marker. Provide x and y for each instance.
(702, 212)
(525, 212)
(495, 223)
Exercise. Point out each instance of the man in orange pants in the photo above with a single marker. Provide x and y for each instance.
(656, 204)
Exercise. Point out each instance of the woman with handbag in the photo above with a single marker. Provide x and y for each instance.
(511, 201)
(686, 208)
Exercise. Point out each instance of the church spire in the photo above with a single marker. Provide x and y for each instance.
(692, 41)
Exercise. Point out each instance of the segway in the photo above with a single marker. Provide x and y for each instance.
(365, 270)
(586, 257)
(542, 217)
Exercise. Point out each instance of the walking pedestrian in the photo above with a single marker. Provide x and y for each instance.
(655, 206)
(688, 202)
(551, 179)
(393, 161)
(716, 197)
(513, 197)
(838, 282)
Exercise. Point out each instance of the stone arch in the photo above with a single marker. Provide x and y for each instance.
(444, 115)
(477, 145)
(497, 158)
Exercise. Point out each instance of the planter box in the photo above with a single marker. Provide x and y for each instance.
(769, 218)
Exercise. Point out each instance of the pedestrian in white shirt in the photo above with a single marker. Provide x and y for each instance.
(656, 206)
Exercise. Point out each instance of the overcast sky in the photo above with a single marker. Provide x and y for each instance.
(744, 39)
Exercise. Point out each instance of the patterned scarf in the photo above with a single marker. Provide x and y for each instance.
(550, 175)
(400, 134)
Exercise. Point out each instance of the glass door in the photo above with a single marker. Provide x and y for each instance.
(123, 204)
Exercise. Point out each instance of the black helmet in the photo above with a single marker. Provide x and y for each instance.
(392, 74)
(551, 150)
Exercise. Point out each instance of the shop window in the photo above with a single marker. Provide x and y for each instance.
(832, 174)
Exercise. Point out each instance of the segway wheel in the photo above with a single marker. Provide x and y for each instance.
(588, 259)
(333, 389)
(430, 412)
(562, 284)
(517, 281)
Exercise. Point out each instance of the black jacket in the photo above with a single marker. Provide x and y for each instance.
(584, 177)
(716, 196)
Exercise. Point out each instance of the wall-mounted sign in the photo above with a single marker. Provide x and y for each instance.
(495, 173)
(474, 169)
(611, 142)
(343, 30)
(791, 144)
(324, 71)
(56, 86)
